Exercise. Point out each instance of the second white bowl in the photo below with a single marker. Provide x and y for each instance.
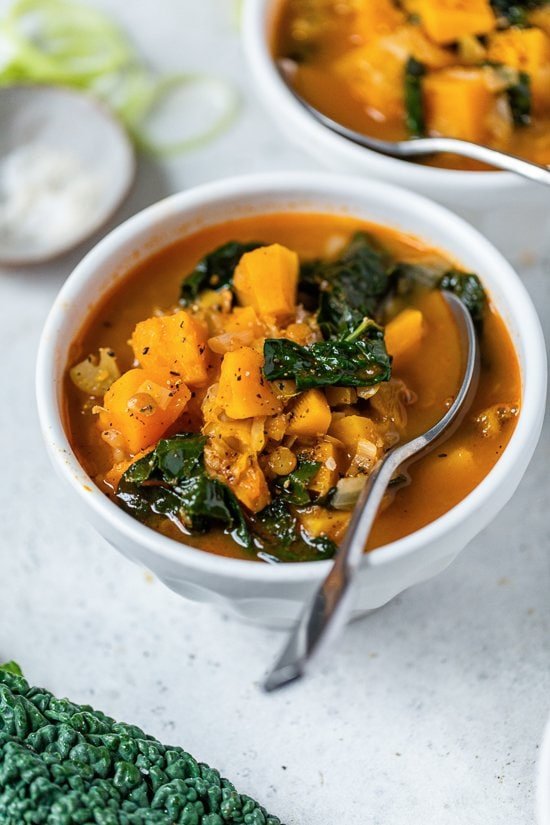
(470, 192)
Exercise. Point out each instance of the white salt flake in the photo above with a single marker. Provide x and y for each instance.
(47, 198)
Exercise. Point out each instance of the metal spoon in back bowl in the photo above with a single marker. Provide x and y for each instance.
(417, 148)
(327, 613)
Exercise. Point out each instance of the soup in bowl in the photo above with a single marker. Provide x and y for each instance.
(228, 367)
(473, 70)
(383, 69)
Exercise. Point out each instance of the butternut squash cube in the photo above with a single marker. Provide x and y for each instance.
(375, 17)
(251, 488)
(341, 396)
(403, 334)
(266, 279)
(527, 50)
(375, 72)
(243, 319)
(243, 391)
(172, 346)
(350, 429)
(230, 454)
(310, 417)
(329, 455)
(446, 21)
(318, 521)
(459, 103)
(142, 410)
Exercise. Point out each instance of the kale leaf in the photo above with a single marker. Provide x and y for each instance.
(360, 360)
(11, 667)
(282, 539)
(293, 487)
(276, 526)
(350, 288)
(517, 85)
(214, 271)
(467, 287)
(515, 11)
(520, 99)
(414, 105)
(406, 276)
(172, 481)
(308, 548)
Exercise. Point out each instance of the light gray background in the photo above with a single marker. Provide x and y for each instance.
(433, 709)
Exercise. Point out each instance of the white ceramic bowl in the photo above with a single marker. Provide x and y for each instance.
(543, 780)
(470, 191)
(274, 594)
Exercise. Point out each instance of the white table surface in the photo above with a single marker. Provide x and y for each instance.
(432, 709)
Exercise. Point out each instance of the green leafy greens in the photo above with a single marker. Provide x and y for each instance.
(350, 288)
(171, 481)
(293, 487)
(517, 86)
(360, 360)
(414, 105)
(515, 11)
(467, 287)
(214, 271)
(520, 100)
(11, 667)
(282, 538)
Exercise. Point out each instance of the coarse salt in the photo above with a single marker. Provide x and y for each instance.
(47, 199)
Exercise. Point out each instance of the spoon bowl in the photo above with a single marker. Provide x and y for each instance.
(66, 165)
(328, 611)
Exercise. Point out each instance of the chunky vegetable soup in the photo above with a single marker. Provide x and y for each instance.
(236, 390)
(478, 70)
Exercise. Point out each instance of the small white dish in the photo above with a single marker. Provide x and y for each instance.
(543, 780)
(274, 594)
(66, 164)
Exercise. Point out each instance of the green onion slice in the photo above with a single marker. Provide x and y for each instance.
(66, 43)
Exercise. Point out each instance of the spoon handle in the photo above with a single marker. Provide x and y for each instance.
(328, 611)
(475, 151)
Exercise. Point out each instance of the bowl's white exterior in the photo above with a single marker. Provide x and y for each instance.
(471, 191)
(274, 594)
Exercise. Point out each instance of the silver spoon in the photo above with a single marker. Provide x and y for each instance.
(420, 147)
(328, 611)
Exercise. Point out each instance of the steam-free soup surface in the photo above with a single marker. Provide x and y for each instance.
(425, 380)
